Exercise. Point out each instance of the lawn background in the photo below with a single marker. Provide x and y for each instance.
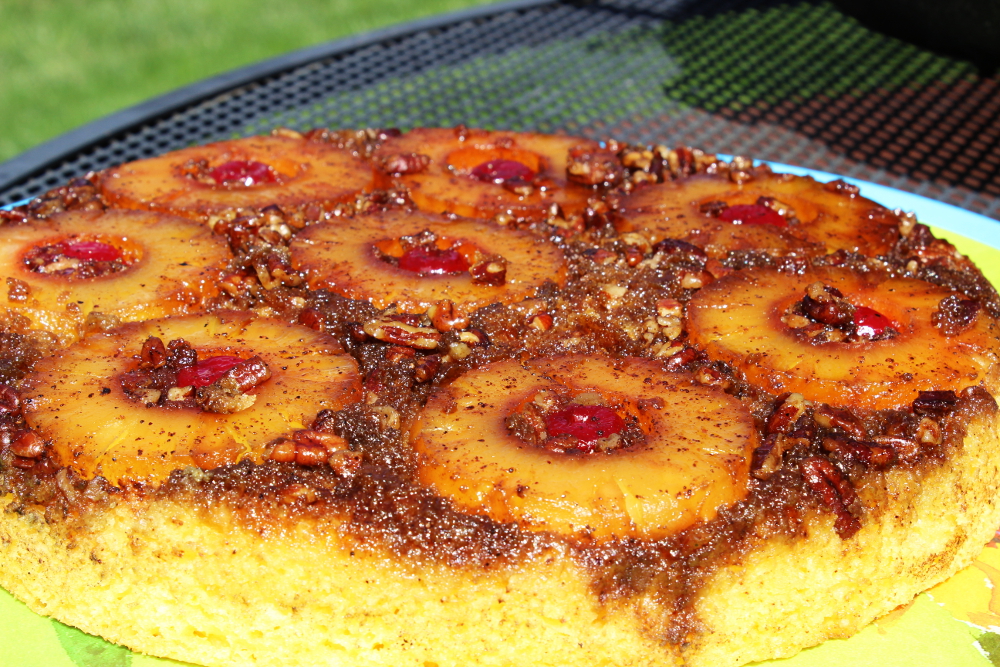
(66, 62)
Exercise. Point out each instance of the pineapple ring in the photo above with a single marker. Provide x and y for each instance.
(738, 319)
(695, 458)
(447, 186)
(75, 399)
(173, 266)
(342, 257)
(829, 220)
(305, 172)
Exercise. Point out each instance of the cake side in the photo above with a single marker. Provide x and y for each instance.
(790, 594)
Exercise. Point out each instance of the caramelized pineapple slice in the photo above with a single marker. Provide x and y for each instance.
(686, 456)
(77, 398)
(753, 320)
(130, 265)
(415, 259)
(481, 174)
(776, 213)
(250, 173)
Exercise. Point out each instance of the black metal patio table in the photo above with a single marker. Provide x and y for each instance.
(796, 82)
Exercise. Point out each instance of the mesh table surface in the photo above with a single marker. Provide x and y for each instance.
(793, 82)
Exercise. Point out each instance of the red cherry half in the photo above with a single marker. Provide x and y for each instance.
(870, 323)
(206, 371)
(587, 423)
(243, 172)
(93, 251)
(752, 214)
(429, 260)
(503, 171)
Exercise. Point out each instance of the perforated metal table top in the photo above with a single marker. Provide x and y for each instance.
(796, 82)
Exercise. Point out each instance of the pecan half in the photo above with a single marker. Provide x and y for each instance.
(400, 333)
(834, 491)
(936, 403)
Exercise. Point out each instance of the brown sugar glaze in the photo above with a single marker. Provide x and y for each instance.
(623, 297)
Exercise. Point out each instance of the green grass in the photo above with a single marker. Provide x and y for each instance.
(66, 62)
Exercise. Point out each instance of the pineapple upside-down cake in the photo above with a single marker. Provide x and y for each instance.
(452, 395)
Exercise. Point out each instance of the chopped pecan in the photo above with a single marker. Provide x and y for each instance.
(633, 255)
(400, 333)
(936, 403)
(223, 397)
(283, 451)
(474, 337)
(741, 169)
(689, 251)
(713, 208)
(98, 322)
(294, 492)
(310, 455)
(313, 319)
(426, 367)
(929, 432)
(307, 447)
(834, 491)
(527, 424)
(27, 444)
(789, 408)
(398, 353)
(825, 304)
(18, 291)
(866, 453)
(683, 161)
(356, 331)
(345, 463)
(841, 186)
(489, 270)
(10, 403)
(541, 322)
(446, 317)
(249, 374)
(405, 163)
(830, 417)
(181, 354)
(153, 353)
(332, 443)
(713, 377)
(905, 449)
(594, 167)
(681, 358)
(766, 458)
